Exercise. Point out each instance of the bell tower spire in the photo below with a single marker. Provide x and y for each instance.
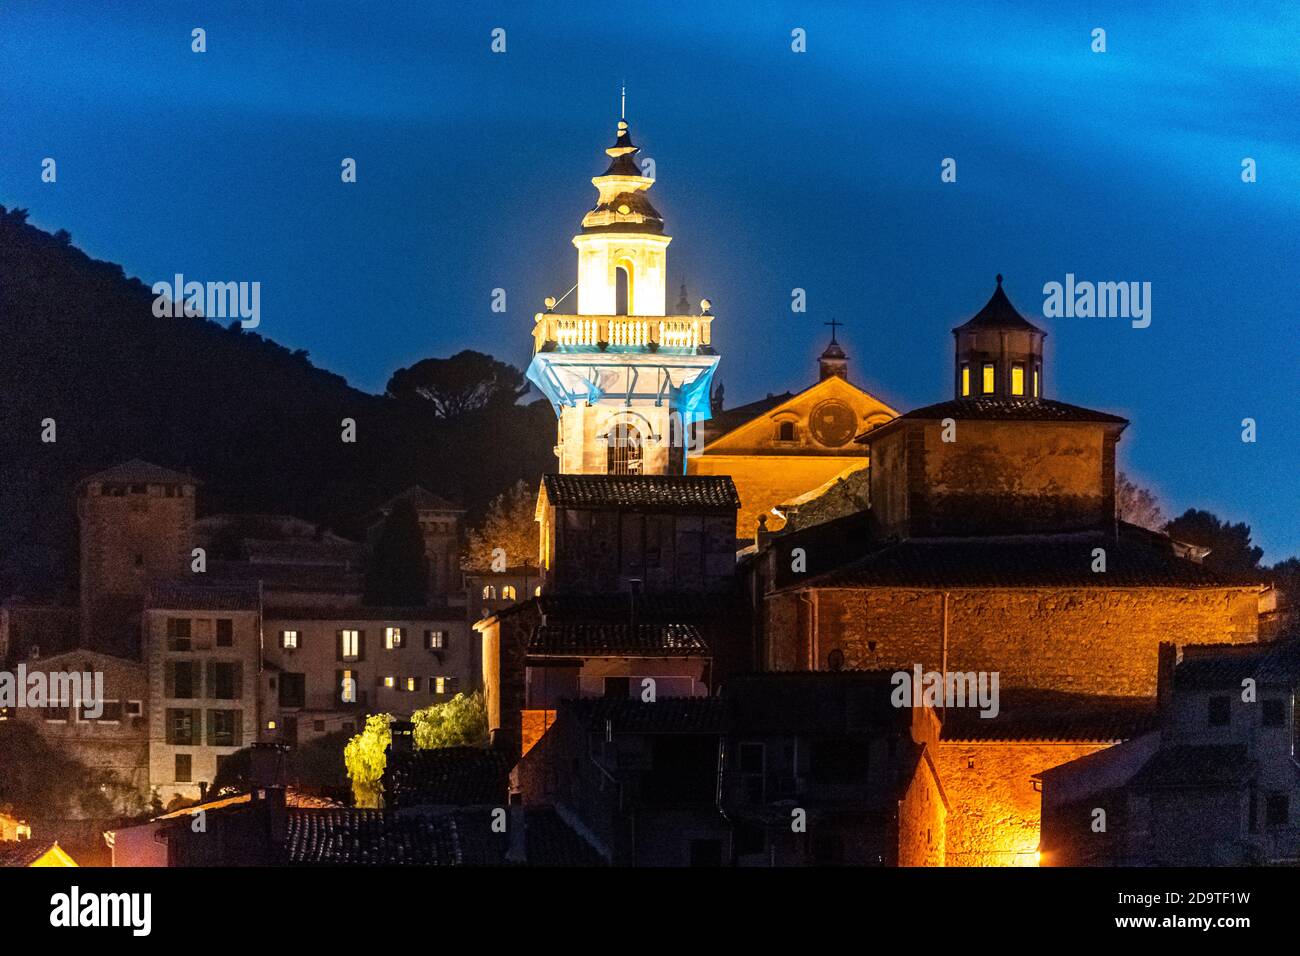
(629, 382)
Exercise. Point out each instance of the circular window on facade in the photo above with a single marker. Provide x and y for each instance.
(833, 423)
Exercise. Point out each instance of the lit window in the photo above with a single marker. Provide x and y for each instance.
(348, 687)
(965, 380)
(393, 637)
(388, 681)
(537, 591)
(508, 592)
(1017, 380)
(988, 379)
(444, 685)
(435, 640)
(410, 683)
(289, 639)
(270, 725)
(489, 592)
(350, 645)
(1035, 381)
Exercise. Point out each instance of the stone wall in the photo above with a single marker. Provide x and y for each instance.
(1087, 640)
(994, 807)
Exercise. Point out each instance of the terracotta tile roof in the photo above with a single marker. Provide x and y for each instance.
(667, 715)
(1063, 560)
(1025, 714)
(447, 776)
(1210, 667)
(995, 409)
(459, 838)
(199, 597)
(138, 472)
(604, 639)
(649, 492)
(19, 853)
(370, 837)
(1196, 765)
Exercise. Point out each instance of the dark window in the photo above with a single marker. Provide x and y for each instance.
(785, 431)
(632, 551)
(183, 679)
(182, 727)
(1220, 711)
(706, 853)
(837, 760)
(224, 679)
(1277, 810)
(178, 634)
(225, 632)
(224, 728)
(318, 726)
(183, 771)
(618, 687)
(1274, 713)
(293, 690)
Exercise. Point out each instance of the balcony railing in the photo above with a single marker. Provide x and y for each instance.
(679, 332)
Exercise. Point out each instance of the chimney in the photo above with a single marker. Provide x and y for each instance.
(403, 737)
(266, 779)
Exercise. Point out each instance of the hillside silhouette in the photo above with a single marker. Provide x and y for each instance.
(258, 424)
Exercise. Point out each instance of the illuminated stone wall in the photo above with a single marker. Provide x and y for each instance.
(1086, 640)
(922, 820)
(994, 807)
(765, 481)
(995, 477)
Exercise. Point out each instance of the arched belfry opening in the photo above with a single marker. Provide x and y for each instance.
(623, 287)
(623, 454)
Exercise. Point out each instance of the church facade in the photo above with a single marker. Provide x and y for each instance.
(782, 450)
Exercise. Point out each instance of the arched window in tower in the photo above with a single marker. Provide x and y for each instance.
(623, 456)
(508, 592)
(623, 288)
(489, 592)
(1017, 379)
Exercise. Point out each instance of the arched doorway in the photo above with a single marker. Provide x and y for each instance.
(623, 456)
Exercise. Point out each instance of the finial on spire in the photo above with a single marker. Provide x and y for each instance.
(622, 108)
(999, 280)
(834, 324)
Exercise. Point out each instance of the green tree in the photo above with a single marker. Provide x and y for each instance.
(511, 525)
(469, 381)
(365, 757)
(460, 722)
(1229, 544)
(397, 574)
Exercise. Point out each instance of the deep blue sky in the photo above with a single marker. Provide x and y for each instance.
(818, 170)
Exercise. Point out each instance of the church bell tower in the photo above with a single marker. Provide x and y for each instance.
(629, 383)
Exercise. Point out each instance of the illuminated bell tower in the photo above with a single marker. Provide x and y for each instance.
(629, 383)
